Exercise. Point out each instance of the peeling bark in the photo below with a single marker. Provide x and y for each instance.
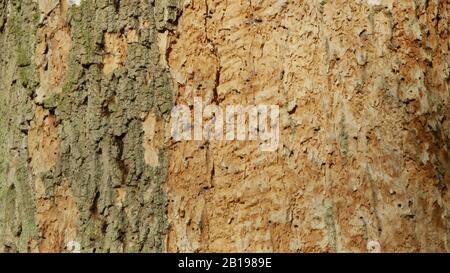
(363, 88)
(86, 155)
(78, 83)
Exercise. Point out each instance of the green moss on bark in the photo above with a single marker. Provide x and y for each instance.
(18, 79)
(100, 128)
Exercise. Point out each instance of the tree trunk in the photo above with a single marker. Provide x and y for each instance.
(87, 161)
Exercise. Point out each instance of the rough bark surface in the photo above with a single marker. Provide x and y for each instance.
(363, 88)
(77, 84)
(86, 91)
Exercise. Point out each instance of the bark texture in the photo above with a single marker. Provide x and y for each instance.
(86, 157)
(78, 82)
(363, 88)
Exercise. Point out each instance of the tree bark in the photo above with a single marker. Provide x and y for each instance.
(87, 160)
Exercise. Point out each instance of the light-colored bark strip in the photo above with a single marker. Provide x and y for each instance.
(363, 88)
